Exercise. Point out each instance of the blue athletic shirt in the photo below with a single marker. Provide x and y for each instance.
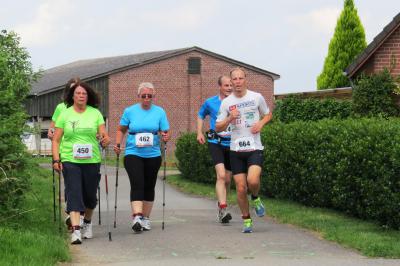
(139, 120)
(210, 107)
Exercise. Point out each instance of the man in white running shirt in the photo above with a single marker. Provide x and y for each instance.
(247, 112)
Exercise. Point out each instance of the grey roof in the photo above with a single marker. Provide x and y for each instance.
(55, 78)
(373, 46)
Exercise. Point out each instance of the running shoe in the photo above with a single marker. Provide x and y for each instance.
(137, 225)
(247, 226)
(87, 230)
(224, 216)
(259, 207)
(146, 224)
(76, 237)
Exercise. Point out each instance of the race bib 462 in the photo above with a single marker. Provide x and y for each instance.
(144, 139)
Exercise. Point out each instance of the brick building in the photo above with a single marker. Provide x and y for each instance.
(382, 52)
(183, 79)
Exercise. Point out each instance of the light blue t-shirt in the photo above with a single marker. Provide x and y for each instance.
(210, 107)
(139, 120)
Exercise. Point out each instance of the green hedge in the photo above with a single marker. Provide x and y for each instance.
(373, 95)
(293, 108)
(349, 165)
(194, 160)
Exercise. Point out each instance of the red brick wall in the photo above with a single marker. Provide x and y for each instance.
(179, 93)
(387, 54)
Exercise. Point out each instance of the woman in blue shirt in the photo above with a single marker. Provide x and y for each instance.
(142, 121)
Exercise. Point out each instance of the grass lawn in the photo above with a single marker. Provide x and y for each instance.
(32, 238)
(368, 238)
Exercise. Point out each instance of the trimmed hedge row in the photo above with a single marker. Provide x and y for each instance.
(293, 108)
(350, 165)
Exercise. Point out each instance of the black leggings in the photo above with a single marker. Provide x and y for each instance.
(142, 174)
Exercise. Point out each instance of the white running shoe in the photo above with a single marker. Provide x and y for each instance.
(76, 237)
(87, 231)
(137, 224)
(146, 224)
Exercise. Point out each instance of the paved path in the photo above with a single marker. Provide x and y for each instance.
(192, 237)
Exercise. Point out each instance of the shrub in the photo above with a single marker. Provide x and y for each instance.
(372, 95)
(194, 160)
(16, 75)
(293, 108)
(349, 165)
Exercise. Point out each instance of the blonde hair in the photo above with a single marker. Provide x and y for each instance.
(147, 85)
(237, 69)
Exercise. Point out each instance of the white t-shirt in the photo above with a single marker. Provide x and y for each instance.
(251, 106)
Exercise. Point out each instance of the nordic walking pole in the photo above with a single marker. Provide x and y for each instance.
(106, 183)
(54, 196)
(59, 198)
(164, 177)
(116, 190)
(98, 192)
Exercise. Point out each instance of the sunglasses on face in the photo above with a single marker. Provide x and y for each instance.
(144, 96)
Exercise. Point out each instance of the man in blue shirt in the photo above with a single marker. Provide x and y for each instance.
(218, 145)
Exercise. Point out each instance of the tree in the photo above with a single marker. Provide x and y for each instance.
(348, 41)
(16, 76)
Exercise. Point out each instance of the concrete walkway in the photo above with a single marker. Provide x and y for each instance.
(193, 237)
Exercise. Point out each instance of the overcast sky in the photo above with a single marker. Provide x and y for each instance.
(287, 37)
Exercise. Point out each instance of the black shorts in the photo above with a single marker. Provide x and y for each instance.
(241, 161)
(220, 154)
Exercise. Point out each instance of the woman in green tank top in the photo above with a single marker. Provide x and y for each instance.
(78, 155)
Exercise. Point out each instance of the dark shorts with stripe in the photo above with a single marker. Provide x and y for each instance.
(220, 154)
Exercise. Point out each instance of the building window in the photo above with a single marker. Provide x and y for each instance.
(194, 65)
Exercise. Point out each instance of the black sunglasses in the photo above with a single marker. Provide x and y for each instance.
(143, 96)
